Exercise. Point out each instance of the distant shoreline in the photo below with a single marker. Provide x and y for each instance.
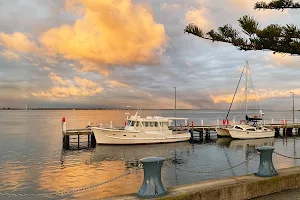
(117, 109)
(97, 109)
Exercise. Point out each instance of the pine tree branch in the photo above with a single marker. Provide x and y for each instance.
(277, 4)
(276, 38)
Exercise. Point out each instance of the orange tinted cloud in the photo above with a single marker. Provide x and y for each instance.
(261, 94)
(89, 66)
(10, 55)
(200, 17)
(57, 79)
(80, 87)
(109, 33)
(17, 42)
(282, 60)
(114, 83)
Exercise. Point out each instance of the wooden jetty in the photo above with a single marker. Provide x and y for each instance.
(287, 129)
(78, 132)
(67, 133)
(197, 131)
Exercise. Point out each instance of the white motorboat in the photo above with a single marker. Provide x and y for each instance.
(149, 130)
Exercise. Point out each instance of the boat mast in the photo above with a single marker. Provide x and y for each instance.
(246, 88)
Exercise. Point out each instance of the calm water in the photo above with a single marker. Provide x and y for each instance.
(33, 161)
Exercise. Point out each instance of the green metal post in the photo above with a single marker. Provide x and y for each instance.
(152, 186)
(266, 167)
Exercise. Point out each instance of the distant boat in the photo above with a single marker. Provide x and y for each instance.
(149, 130)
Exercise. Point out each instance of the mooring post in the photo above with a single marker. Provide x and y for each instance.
(266, 167)
(152, 186)
(63, 125)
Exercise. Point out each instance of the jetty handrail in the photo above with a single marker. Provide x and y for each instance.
(63, 193)
(212, 171)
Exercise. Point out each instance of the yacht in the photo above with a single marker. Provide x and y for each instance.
(223, 131)
(251, 127)
(138, 130)
(246, 131)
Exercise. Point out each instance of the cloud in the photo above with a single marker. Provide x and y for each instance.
(58, 80)
(261, 94)
(108, 33)
(80, 87)
(17, 41)
(86, 66)
(115, 83)
(200, 17)
(47, 68)
(282, 60)
(171, 6)
(10, 55)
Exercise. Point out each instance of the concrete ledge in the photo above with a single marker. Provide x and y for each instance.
(233, 188)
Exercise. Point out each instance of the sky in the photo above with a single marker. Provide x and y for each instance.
(119, 53)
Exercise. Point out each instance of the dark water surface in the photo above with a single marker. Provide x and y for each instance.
(32, 159)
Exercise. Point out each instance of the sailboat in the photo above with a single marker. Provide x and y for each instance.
(251, 127)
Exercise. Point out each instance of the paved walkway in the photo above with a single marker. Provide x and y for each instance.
(286, 195)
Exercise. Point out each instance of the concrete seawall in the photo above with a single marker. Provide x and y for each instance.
(233, 188)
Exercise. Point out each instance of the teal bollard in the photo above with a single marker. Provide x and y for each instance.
(152, 186)
(266, 167)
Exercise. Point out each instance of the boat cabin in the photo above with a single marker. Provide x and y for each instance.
(148, 123)
(249, 128)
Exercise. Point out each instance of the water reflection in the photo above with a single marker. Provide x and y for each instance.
(132, 153)
(33, 161)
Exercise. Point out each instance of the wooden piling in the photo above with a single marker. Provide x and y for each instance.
(289, 132)
(93, 140)
(284, 132)
(78, 141)
(192, 133)
(66, 141)
(276, 132)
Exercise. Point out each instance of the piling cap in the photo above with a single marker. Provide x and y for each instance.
(152, 159)
(63, 119)
(265, 148)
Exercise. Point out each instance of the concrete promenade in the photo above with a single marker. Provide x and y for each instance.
(235, 188)
(293, 194)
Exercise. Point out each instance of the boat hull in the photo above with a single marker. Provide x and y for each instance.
(111, 136)
(239, 134)
(223, 132)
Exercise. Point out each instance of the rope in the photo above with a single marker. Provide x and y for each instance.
(63, 193)
(213, 171)
(286, 156)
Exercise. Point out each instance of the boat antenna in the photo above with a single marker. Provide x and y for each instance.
(235, 92)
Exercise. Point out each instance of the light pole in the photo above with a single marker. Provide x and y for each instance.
(293, 106)
(175, 105)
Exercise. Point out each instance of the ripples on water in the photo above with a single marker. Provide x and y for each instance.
(33, 161)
